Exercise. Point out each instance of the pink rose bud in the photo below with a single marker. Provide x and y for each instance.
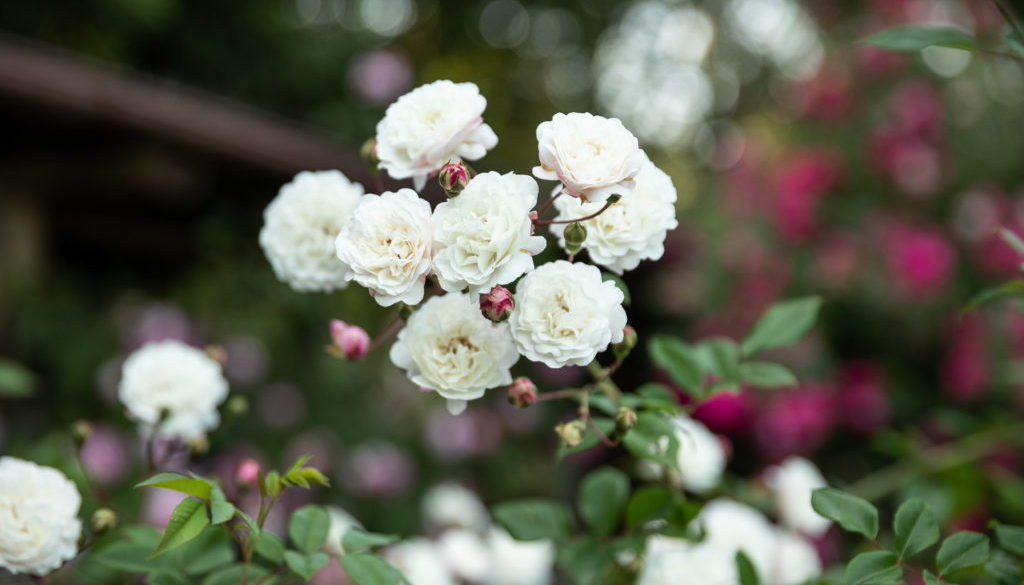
(351, 340)
(248, 472)
(622, 348)
(453, 178)
(522, 392)
(497, 304)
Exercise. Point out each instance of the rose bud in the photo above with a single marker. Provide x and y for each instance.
(103, 520)
(80, 431)
(625, 418)
(351, 340)
(369, 153)
(248, 472)
(571, 432)
(622, 348)
(497, 304)
(453, 178)
(522, 392)
(575, 234)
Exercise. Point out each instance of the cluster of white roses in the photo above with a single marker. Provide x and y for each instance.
(321, 232)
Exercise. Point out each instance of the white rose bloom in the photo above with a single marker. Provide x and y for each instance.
(730, 527)
(299, 228)
(172, 389)
(515, 562)
(449, 346)
(431, 125)
(483, 236)
(701, 456)
(387, 245)
(465, 553)
(565, 314)
(450, 504)
(791, 484)
(39, 525)
(687, 563)
(795, 560)
(593, 157)
(629, 231)
(420, 562)
(341, 522)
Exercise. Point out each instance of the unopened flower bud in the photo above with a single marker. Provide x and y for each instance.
(497, 304)
(453, 178)
(571, 432)
(575, 234)
(522, 392)
(248, 472)
(199, 445)
(351, 340)
(237, 406)
(80, 431)
(369, 153)
(217, 353)
(622, 348)
(103, 520)
(625, 418)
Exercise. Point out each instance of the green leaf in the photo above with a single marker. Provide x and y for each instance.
(16, 381)
(272, 484)
(308, 528)
(535, 519)
(878, 567)
(931, 579)
(679, 360)
(211, 550)
(850, 512)
(648, 504)
(961, 550)
(653, 437)
(585, 559)
(721, 357)
(782, 324)
(180, 483)
(619, 284)
(270, 547)
(1014, 288)
(908, 39)
(365, 569)
(233, 575)
(915, 528)
(1011, 538)
(1004, 568)
(129, 554)
(656, 396)
(221, 510)
(766, 375)
(745, 569)
(305, 565)
(1012, 44)
(168, 578)
(357, 539)
(300, 475)
(590, 438)
(603, 495)
(188, 520)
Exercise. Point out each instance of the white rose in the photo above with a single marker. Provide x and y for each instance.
(430, 126)
(515, 562)
(629, 231)
(341, 522)
(795, 560)
(299, 228)
(450, 504)
(465, 553)
(449, 346)
(593, 157)
(565, 314)
(39, 525)
(671, 561)
(791, 484)
(172, 389)
(386, 244)
(730, 527)
(483, 236)
(701, 457)
(420, 562)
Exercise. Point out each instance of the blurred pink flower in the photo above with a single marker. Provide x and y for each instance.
(247, 359)
(920, 260)
(837, 260)
(157, 505)
(378, 470)
(105, 456)
(795, 422)
(332, 574)
(827, 96)
(476, 432)
(380, 76)
(965, 372)
(281, 405)
(727, 413)
(862, 400)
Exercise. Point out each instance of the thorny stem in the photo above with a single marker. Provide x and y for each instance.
(591, 216)
(1009, 18)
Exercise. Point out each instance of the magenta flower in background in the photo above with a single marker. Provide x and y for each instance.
(920, 260)
(965, 372)
(380, 76)
(727, 413)
(378, 470)
(863, 403)
(795, 422)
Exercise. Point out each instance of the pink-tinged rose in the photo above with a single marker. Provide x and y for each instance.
(248, 472)
(522, 392)
(826, 97)
(921, 261)
(352, 341)
(497, 304)
(917, 108)
(453, 178)
(863, 402)
(105, 456)
(727, 413)
(966, 371)
(795, 422)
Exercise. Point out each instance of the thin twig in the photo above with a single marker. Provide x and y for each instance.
(1010, 19)
(388, 333)
(591, 216)
(560, 394)
(544, 207)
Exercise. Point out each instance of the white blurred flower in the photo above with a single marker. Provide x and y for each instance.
(450, 504)
(682, 562)
(387, 245)
(449, 346)
(172, 389)
(431, 125)
(39, 525)
(515, 562)
(729, 527)
(631, 230)
(565, 314)
(592, 156)
(341, 522)
(701, 457)
(791, 484)
(465, 553)
(420, 562)
(483, 237)
(795, 560)
(300, 225)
